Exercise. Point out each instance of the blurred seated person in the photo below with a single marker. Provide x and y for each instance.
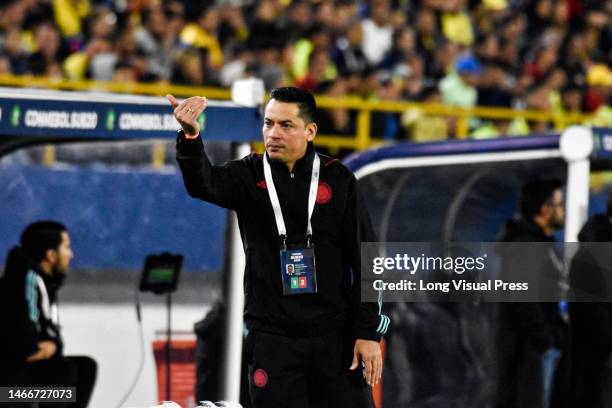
(31, 347)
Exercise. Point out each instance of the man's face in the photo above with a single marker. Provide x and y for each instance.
(61, 257)
(285, 134)
(557, 213)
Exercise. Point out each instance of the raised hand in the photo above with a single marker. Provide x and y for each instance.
(187, 112)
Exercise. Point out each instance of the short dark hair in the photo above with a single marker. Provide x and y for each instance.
(41, 236)
(304, 100)
(535, 194)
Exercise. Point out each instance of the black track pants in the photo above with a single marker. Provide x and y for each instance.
(304, 372)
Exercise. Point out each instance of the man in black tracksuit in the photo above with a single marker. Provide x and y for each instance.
(528, 331)
(31, 346)
(591, 329)
(296, 341)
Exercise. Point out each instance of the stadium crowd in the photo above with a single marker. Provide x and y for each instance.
(551, 55)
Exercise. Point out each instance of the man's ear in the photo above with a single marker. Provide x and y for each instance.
(51, 256)
(311, 131)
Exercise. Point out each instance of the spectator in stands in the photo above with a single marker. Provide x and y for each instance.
(14, 51)
(346, 12)
(424, 127)
(70, 17)
(320, 70)
(487, 48)
(427, 33)
(544, 61)
(48, 55)
(190, 67)
(157, 39)
(456, 23)
(377, 32)
(495, 86)
(387, 125)
(202, 34)
(264, 30)
(444, 58)
(275, 40)
(599, 80)
(31, 349)
(102, 29)
(5, 65)
(575, 57)
(540, 16)
(348, 54)
(13, 13)
(318, 38)
(543, 95)
(336, 121)
(273, 66)
(571, 99)
(264, 48)
(412, 76)
(458, 88)
(495, 89)
(325, 15)
(125, 54)
(298, 20)
(124, 72)
(512, 40)
(238, 67)
(599, 94)
(401, 52)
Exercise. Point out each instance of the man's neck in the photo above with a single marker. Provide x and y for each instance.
(291, 164)
(46, 268)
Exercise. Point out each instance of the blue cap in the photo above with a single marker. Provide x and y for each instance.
(467, 64)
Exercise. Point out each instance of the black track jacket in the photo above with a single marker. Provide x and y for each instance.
(27, 304)
(340, 223)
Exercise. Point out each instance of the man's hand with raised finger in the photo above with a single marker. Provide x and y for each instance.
(187, 113)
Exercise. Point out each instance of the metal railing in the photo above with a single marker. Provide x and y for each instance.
(363, 108)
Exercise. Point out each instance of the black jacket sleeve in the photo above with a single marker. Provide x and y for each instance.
(533, 319)
(18, 301)
(592, 319)
(215, 184)
(370, 323)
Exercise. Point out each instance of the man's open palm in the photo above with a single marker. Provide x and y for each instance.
(187, 112)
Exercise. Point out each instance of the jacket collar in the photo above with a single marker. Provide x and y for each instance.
(18, 264)
(525, 230)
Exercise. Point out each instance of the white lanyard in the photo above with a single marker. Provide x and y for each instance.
(312, 196)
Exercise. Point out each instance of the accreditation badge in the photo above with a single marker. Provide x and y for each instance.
(298, 271)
